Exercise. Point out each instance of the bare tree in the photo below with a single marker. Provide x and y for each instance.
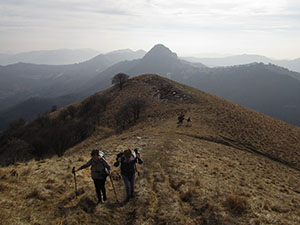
(129, 113)
(120, 79)
(122, 119)
(135, 105)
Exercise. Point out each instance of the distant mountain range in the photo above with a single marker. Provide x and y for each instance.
(27, 90)
(245, 59)
(50, 57)
(159, 60)
(71, 56)
(269, 89)
(21, 81)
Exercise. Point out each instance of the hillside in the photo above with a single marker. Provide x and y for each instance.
(51, 84)
(31, 108)
(269, 89)
(245, 59)
(231, 165)
(263, 88)
(159, 60)
(266, 88)
(21, 81)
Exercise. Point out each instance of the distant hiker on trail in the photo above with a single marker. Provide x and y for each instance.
(98, 172)
(180, 119)
(128, 169)
(188, 122)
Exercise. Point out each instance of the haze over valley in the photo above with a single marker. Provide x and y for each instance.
(31, 89)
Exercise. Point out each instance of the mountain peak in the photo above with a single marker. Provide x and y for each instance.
(160, 51)
(160, 46)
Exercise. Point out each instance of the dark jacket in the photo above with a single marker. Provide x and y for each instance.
(128, 167)
(98, 168)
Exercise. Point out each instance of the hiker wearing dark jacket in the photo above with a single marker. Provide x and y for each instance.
(98, 173)
(128, 169)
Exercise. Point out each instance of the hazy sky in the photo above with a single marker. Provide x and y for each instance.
(187, 27)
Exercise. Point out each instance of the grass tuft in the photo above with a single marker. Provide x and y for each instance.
(35, 194)
(87, 204)
(176, 183)
(236, 205)
(80, 159)
(3, 187)
(26, 172)
(186, 196)
(14, 173)
(50, 181)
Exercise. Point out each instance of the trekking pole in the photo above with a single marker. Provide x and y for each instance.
(136, 152)
(73, 171)
(112, 183)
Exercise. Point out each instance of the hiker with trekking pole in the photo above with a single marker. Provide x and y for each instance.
(98, 172)
(128, 161)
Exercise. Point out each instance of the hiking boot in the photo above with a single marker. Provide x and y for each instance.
(99, 202)
(104, 198)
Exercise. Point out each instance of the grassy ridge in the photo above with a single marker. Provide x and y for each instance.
(196, 174)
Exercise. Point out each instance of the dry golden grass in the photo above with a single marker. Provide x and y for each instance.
(207, 173)
(236, 204)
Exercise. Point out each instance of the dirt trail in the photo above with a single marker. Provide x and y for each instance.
(164, 193)
(154, 193)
